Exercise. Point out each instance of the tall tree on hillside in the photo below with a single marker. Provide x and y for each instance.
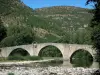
(5, 8)
(2, 31)
(95, 24)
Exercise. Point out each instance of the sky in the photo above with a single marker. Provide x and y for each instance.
(48, 3)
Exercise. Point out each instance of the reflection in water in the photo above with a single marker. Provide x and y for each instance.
(56, 62)
(51, 63)
(81, 63)
(82, 58)
(65, 63)
(51, 52)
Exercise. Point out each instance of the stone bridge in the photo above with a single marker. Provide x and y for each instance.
(67, 50)
(33, 49)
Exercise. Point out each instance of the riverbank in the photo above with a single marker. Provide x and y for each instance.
(35, 68)
(21, 63)
(47, 71)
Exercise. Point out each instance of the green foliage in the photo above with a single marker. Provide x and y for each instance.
(81, 36)
(33, 58)
(95, 24)
(16, 57)
(66, 23)
(56, 61)
(53, 24)
(20, 52)
(18, 36)
(2, 31)
(19, 57)
(96, 41)
(50, 51)
(11, 74)
(81, 58)
(19, 39)
(5, 6)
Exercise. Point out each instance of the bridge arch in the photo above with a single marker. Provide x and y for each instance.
(78, 51)
(84, 58)
(60, 47)
(52, 46)
(33, 49)
(87, 48)
(20, 51)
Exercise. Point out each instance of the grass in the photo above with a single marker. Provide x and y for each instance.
(33, 58)
(20, 58)
(24, 58)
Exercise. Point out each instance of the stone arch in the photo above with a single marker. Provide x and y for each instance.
(50, 45)
(25, 52)
(88, 62)
(89, 49)
(80, 50)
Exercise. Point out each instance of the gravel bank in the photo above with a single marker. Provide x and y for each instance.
(47, 71)
(26, 68)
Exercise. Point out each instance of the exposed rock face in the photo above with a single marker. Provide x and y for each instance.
(47, 71)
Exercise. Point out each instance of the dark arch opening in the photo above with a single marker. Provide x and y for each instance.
(20, 52)
(50, 51)
(81, 58)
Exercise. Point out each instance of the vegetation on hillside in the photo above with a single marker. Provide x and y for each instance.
(61, 24)
(2, 31)
(17, 32)
(68, 22)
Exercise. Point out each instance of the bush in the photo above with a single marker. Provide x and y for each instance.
(19, 57)
(33, 58)
(56, 61)
(17, 35)
(11, 74)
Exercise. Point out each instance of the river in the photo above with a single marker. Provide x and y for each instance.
(65, 63)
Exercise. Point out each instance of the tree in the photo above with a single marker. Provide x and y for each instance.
(95, 25)
(18, 35)
(5, 8)
(2, 31)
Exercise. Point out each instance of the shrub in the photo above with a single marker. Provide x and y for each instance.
(56, 61)
(33, 58)
(19, 57)
(11, 74)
